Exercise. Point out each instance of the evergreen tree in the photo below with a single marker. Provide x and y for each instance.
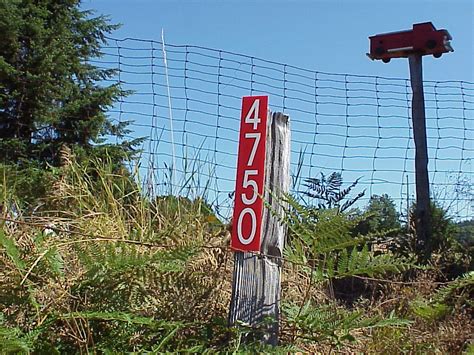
(383, 214)
(381, 217)
(50, 93)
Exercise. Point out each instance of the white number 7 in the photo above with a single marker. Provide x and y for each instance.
(255, 136)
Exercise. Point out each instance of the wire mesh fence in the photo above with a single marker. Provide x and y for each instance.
(186, 102)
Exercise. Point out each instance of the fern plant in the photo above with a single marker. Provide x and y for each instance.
(322, 246)
(328, 192)
(12, 340)
(323, 240)
(329, 323)
(456, 293)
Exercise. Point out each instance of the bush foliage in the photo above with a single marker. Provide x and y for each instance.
(100, 267)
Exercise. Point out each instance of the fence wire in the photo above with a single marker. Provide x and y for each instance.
(357, 125)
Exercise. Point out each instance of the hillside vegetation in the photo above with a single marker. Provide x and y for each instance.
(90, 264)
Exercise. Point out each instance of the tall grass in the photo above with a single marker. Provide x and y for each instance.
(102, 266)
(97, 264)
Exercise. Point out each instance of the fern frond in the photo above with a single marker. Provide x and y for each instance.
(443, 301)
(11, 341)
(429, 311)
(343, 263)
(121, 317)
(332, 323)
(349, 203)
(334, 182)
(11, 250)
(464, 282)
(365, 263)
(55, 261)
(328, 193)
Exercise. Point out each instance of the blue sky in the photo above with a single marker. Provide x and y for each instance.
(326, 35)
(322, 36)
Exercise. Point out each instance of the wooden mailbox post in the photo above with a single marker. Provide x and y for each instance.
(423, 39)
(257, 237)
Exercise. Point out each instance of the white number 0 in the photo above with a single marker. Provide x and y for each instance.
(251, 212)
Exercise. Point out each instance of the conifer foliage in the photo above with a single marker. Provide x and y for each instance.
(50, 93)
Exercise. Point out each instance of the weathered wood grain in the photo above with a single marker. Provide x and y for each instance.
(422, 210)
(256, 278)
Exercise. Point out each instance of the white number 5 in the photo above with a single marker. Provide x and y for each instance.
(250, 183)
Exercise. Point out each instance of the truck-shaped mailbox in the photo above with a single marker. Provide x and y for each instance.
(423, 39)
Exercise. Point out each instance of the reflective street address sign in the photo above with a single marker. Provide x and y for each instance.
(247, 219)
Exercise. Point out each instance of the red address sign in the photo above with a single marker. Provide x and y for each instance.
(248, 208)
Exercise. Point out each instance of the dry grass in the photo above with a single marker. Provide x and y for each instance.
(113, 263)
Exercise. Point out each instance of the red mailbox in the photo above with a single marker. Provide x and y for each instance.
(423, 39)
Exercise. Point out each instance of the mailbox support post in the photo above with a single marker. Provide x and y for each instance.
(255, 298)
(422, 210)
(423, 39)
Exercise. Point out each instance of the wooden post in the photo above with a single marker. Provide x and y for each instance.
(256, 278)
(422, 211)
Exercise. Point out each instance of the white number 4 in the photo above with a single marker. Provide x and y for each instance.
(252, 115)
